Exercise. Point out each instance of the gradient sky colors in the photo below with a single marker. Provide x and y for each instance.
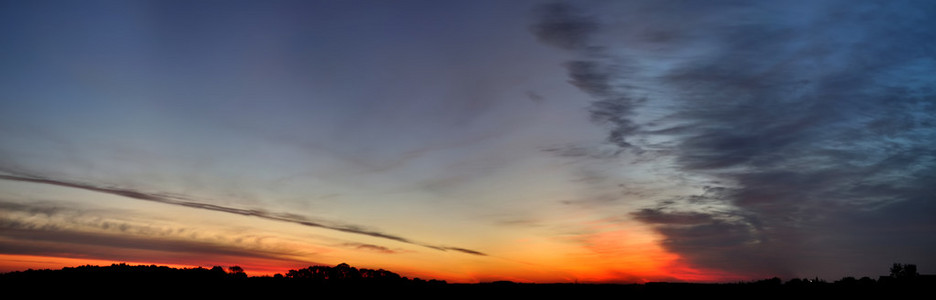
(534, 141)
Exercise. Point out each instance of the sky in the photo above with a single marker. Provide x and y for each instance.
(472, 141)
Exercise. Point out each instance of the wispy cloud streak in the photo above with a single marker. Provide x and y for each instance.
(181, 201)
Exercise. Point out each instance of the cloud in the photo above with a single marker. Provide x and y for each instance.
(564, 26)
(65, 242)
(32, 210)
(182, 201)
(49, 229)
(463, 250)
(656, 216)
(789, 119)
(369, 247)
(561, 25)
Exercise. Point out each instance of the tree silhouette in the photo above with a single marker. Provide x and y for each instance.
(903, 271)
(896, 270)
(910, 270)
(237, 272)
(344, 272)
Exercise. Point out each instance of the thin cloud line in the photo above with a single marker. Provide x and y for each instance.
(180, 201)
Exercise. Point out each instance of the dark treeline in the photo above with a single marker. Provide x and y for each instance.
(348, 274)
(119, 279)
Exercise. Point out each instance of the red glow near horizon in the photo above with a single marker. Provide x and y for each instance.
(612, 256)
(12, 263)
(672, 272)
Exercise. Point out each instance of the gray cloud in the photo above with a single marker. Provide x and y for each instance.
(181, 201)
(561, 25)
(656, 216)
(564, 26)
(64, 242)
(51, 229)
(44, 210)
(463, 250)
(798, 119)
(369, 247)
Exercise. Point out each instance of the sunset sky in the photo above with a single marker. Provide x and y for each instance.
(472, 141)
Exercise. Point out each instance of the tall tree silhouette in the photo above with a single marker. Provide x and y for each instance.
(903, 271)
(237, 272)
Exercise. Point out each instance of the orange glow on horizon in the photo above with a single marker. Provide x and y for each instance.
(628, 253)
(605, 252)
(626, 268)
(13, 262)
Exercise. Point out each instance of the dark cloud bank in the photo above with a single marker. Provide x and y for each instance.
(810, 126)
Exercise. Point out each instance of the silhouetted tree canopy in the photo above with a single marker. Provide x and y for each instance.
(903, 271)
(343, 272)
(235, 282)
(237, 272)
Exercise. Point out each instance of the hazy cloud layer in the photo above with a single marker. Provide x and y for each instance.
(182, 201)
(794, 120)
(60, 230)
